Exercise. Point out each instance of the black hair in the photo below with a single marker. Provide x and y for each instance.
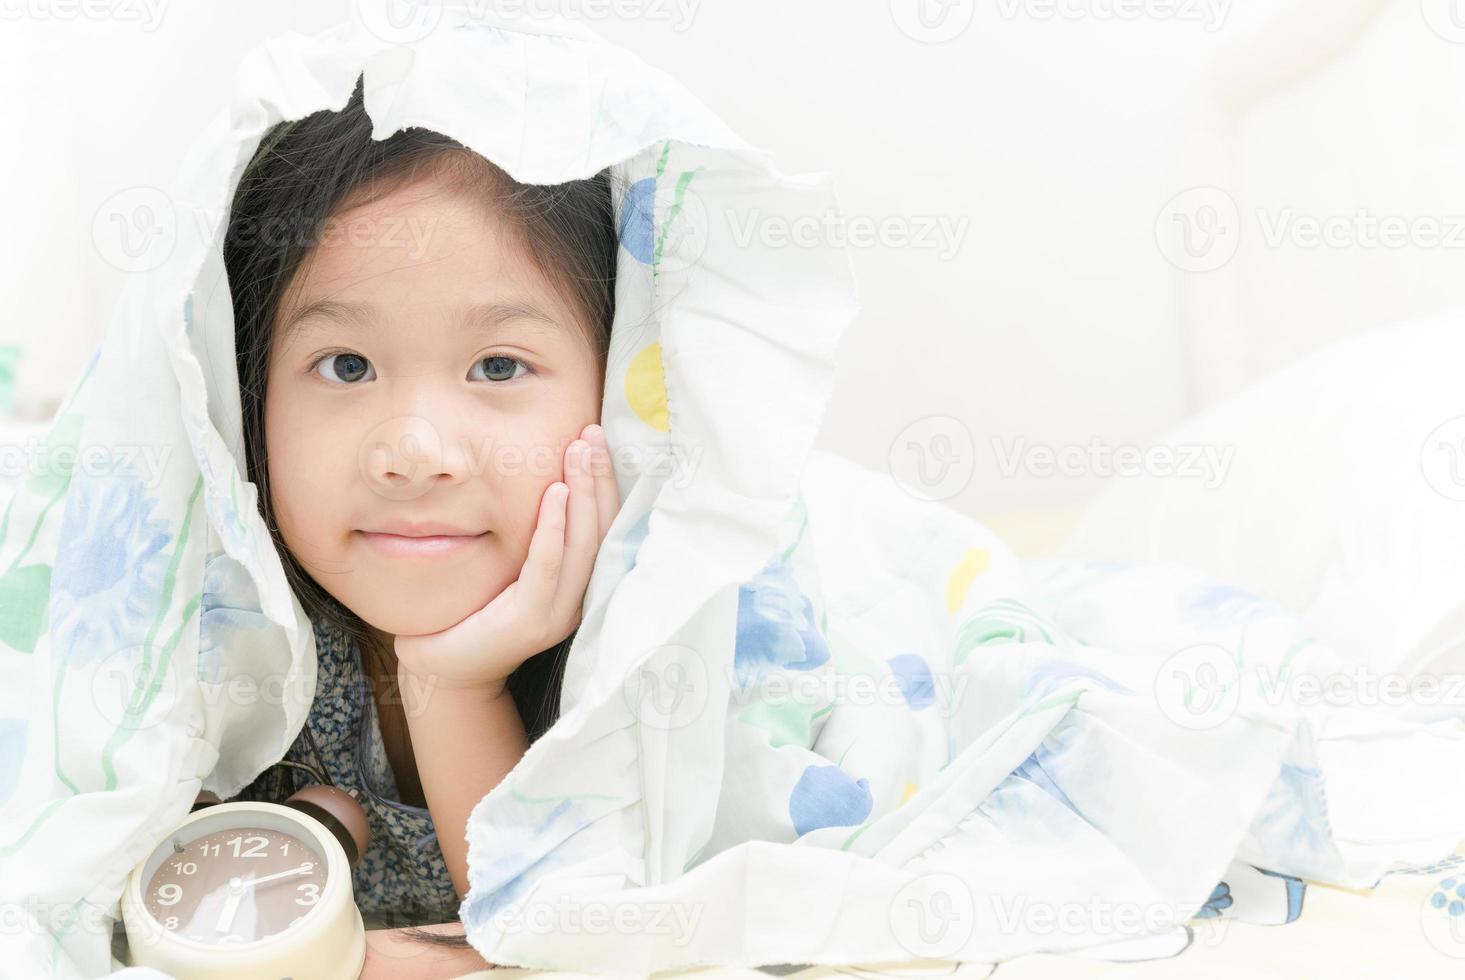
(302, 172)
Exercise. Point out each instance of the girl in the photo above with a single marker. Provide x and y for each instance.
(421, 346)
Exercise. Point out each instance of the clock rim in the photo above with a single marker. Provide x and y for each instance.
(337, 870)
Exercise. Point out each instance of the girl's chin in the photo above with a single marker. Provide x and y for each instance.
(419, 611)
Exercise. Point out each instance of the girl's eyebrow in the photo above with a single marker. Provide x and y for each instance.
(482, 316)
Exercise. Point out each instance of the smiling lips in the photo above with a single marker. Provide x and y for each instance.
(420, 546)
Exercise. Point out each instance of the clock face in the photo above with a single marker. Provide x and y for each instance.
(235, 886)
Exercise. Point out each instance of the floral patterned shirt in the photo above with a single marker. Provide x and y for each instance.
(402, 878)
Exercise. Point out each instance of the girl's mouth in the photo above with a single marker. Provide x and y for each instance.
(428, 546)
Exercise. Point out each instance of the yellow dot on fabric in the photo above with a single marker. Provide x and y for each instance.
(910, 790)
(646, 388)
(973, 563)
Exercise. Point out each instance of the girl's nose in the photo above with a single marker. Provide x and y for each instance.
(403, 457)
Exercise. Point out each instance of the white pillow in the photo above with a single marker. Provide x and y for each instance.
(1340, 493)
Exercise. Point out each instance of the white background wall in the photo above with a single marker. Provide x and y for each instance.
(1049, 133)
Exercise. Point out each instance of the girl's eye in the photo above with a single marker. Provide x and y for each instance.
(351, 366)
(500, 364)
(347, 367)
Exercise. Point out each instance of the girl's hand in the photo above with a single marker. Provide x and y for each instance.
(544, 605)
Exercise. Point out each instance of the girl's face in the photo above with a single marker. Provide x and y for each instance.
(422, 370)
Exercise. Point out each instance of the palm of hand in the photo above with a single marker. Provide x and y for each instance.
(544, 605)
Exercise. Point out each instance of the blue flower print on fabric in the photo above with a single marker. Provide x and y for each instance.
(229, 607)
(1032, 769)
(107, 584)
(1047, 676)
(776, 626)
(1213, 606)
(14, 734)
(638, 220)
(826, 796)
(635, 537)
(499, 882)
(913, 675)
(1295, 889)
(1219, 902)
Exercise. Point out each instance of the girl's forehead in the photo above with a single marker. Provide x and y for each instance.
(431, 249)
(433, 301)
(451, 261)
(431, 188)
(485, 319)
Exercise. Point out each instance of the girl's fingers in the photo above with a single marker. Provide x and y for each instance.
(607, 493)
(582, 536)
(540, 576)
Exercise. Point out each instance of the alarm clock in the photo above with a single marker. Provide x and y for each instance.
(253, 890)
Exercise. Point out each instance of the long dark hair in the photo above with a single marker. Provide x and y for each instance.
(301, 172)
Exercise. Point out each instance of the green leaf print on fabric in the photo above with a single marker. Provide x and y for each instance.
(23, 595)
(25, 589)
(1001, 621)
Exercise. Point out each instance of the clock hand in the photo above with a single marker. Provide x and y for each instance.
(231, 905)
(236, 893)
(304, 869)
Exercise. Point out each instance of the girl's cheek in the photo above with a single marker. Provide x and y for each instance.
(308, 464)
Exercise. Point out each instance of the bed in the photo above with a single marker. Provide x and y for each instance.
(1411, 925)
